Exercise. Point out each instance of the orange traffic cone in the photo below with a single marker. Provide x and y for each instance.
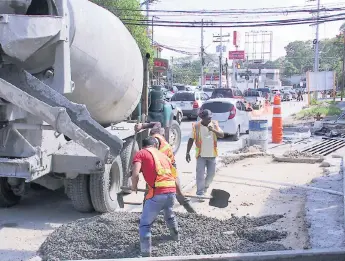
(277, 122)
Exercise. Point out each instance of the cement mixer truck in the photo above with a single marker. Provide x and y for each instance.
(71, 83)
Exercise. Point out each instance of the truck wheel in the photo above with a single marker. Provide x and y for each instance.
(175, 136)
(79, 193)
(7, 197)
(126, 161)
(104, 188)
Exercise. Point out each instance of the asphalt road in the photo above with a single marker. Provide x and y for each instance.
(23, 228)
(226, 145)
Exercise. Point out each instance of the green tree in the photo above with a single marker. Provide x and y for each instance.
(300, 55)
(289, 69)
(186, 70)
(121, 8)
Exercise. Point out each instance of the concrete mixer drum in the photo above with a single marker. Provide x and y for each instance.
(65, 70)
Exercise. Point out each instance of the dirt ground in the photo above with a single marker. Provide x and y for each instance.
(253, 194)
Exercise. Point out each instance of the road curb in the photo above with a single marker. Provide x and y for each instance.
(286, 255)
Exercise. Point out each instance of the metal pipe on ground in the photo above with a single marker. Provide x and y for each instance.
(289, 255)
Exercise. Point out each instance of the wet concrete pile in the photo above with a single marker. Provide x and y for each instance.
(115, 235)
(250, 149)
(298, 154)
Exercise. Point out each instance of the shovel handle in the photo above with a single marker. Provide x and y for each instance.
(187, 196)
(140, 190)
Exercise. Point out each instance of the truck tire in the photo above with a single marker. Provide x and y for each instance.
(104, 188)
(7, 197)
(79, 193)
(175, 136)
(125, 160)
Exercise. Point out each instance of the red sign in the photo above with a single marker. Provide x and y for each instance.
(212, 77)
(160, 63)
(236, 55)
(236, 39)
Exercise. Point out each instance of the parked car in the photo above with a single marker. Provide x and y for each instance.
(302, 89)
(178, 113)
(189, 102)
(293, 94)
(286, 96)
(275, 92)
(227, 93)
(183, 88)
(254, 98)
(208, 90)
(266, 93)
(231, 114)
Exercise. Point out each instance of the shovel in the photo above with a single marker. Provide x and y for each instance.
(219, 198)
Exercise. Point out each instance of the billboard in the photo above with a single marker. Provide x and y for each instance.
(237, 55)
(320, 81)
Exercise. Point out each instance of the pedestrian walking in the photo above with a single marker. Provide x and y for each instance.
(164, 147)
(204, 134)
(163, 186)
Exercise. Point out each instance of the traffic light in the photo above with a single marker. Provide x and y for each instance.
(238, 66)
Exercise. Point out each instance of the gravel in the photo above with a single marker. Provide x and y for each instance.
(115, 235)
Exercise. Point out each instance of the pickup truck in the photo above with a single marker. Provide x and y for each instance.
(255, 98)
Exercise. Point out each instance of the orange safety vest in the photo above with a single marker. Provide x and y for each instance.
(198, 140)
(165, 178)
(165, 147)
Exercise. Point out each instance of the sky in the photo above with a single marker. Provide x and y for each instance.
(189, 38)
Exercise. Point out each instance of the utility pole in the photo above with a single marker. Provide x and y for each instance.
(147, 18)
(172, 72)
(220, 59)
(316, 56)
(202, 54)
(316, 61)
(226, 72)
(152, 31)
(220, 40)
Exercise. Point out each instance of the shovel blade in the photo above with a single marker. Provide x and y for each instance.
(220, 198)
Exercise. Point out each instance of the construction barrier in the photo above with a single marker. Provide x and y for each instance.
(277, 121)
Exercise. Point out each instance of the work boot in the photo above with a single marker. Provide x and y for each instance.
(200, 199)
(174, 234)
(145, 246)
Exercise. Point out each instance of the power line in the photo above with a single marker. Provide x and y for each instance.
(237, 24)
(278, 10)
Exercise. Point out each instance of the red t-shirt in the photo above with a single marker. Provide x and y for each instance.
(148, 169)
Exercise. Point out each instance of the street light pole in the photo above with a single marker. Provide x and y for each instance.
(152, 31)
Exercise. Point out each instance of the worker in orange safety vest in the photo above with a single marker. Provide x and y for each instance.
(204, 134)
(165, 148)
(163, 187)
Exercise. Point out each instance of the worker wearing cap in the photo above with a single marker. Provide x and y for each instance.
(156, 132)
(163, 186)
(165, 148)
(204, 134)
